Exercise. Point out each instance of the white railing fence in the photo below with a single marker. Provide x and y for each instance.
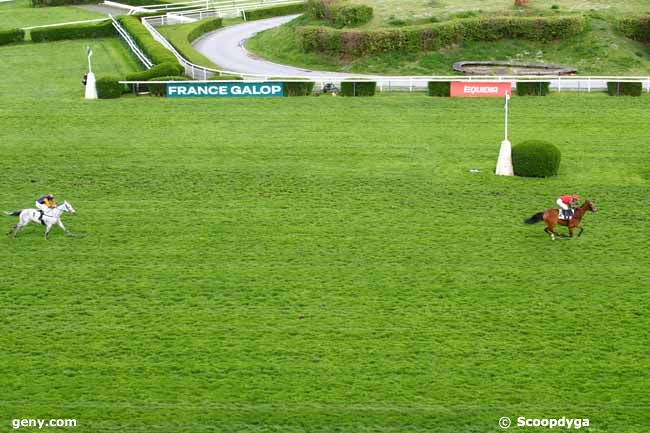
(228, 8)
(133, 46)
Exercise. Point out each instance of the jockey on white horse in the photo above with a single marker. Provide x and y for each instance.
(44, 215)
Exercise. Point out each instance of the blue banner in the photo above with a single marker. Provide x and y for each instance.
(225, 90)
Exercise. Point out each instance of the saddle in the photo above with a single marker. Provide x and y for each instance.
(565, 214)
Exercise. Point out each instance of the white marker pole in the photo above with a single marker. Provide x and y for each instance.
(91, 89)
(504, 163)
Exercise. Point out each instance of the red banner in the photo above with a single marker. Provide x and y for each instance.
(475, 89)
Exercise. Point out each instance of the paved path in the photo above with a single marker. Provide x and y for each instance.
(225, 47)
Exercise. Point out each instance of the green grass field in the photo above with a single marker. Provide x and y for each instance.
(19, 13)
(315, 264)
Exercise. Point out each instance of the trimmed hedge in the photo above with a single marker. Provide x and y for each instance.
(225, 78)
(274, 11)
(102, 29)
(338, 13)
(358, 88)
(533, 89)
(161, 70)
(206, 26)
(434, 36)
(296, 86)
(536, 158)
(159, 89)
(439, 88)
(152, 48)
(617, 88)
(353, 16)
(109, 87)
(11, 36)
(47, 3)
(636, 28)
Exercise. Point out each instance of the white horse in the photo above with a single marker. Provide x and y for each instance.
(51, 217)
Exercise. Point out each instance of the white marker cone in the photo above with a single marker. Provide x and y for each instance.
(504, 163)
(91, 89)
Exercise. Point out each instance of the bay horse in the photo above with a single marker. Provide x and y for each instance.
(552, 218)
(51, 217)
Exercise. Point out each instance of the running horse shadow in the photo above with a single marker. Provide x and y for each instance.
(552, 218)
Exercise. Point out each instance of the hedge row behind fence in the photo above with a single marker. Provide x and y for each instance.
(436, 36)
(439, 88)
(109, 87)
(358, 88)
(152, 48)
(533, 89)
(616, 88)
(206, 26)
(161, 70)
(275, 11)
(102, 29)
(46, 3)
(636, 28)
(339, 13)
(296, 86)
(11, 36)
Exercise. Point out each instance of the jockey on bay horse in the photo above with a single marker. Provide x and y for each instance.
(572, 219)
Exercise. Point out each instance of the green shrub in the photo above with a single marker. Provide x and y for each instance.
(206, 26)
(109, 87)
(11, 36)
(161, 70)
(160, 89)
(352, 16)
(358, 88)
(296, 86)
(617, 88)
(533, 89)
(225, 78)
(536, 158)
(434, 36)
(152, 48)
(46, 3)
(102, 29)
(636, 28)
(439, 88)
(338, 12)
(275, 11)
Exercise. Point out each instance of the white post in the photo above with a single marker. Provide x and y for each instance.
(504, 163)
(91, 88)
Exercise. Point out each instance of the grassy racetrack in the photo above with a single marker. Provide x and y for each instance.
(316, 264)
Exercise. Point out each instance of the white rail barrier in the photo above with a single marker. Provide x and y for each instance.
(131, 43)
(66, 24)
(231, 6)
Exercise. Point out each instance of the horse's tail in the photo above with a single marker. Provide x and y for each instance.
(535, 218)
(14, 213)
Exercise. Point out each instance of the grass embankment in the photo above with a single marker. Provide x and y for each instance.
(601, 50)
(20, 14)
(316, 264)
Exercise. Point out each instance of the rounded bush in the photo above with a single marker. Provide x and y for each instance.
(109, 87)
(536, 158)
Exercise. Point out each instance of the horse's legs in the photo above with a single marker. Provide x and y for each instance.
(581, 230)
(550, 231)
(17, 228)
(570, 227)
(47, 230)
(60, 224)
